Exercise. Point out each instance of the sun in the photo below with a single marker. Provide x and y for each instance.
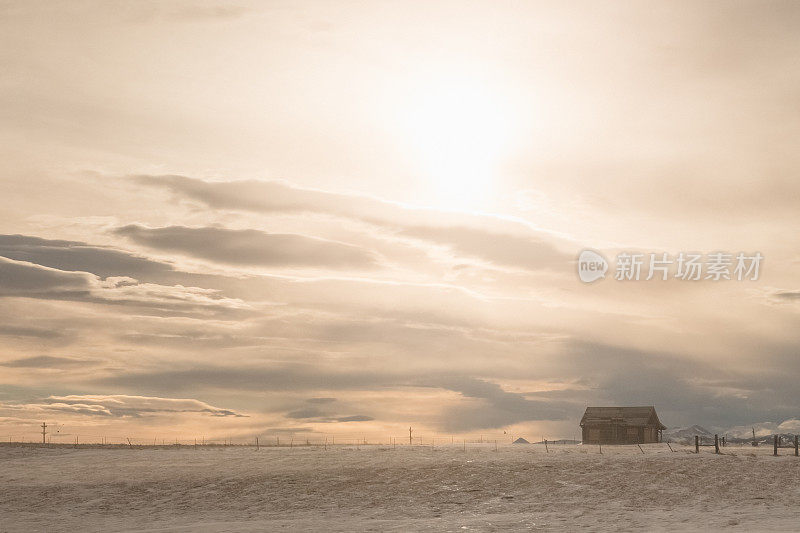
(459, 130)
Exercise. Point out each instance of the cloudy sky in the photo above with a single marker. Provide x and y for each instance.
(233, 219)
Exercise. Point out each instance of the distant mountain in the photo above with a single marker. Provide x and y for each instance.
(762, 429)
(784, 439)
(765, 432)
(686, 434)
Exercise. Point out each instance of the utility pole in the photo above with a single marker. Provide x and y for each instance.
(409, 435)
(44, 432)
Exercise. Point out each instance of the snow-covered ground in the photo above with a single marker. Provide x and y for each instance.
(377, 488)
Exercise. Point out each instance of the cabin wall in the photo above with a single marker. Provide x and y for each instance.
(618, 434)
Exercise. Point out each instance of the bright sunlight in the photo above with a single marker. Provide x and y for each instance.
(460, 131)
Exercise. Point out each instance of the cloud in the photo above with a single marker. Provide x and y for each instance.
(33, 332)
(251, 247)
(785, 295)
(102, 261)
(23, 279)
(319, 417)
(119, 405)
(45, 361)
(79, 257)
(498, 240)
(287, 430)
(270, 197)
(174, 297)
(354, 418)
(278, 377)
(323, 411)
(495, 407)
(526, 252)
(790, 426)
(685, 390)
(306, 412)
(27, 279)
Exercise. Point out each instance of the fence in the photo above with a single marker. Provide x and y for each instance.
(487, 441)
(776, 444)
(275, 440)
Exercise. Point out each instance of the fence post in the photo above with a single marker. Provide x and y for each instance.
(716, 444)
(546, 449)
(795, 446)
(696, 444)
(775, 446)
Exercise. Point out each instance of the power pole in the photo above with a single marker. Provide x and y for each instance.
(44, 432)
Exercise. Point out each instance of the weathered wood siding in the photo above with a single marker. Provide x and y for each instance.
(618, 434)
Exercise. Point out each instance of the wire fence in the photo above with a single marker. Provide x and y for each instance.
(274, 440)
(486, 441)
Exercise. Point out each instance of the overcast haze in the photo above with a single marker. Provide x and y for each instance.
(235, 219)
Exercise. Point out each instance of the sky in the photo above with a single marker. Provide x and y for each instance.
(347, 218)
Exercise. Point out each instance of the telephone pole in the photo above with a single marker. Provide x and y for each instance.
(44, 432)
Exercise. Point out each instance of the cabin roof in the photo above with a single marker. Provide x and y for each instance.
(630, 416)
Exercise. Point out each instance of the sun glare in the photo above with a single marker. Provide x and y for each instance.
(460, 131)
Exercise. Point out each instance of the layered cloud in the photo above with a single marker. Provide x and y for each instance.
(495, 407)
(66, 255)
(785, 295)
(30, 280)
(46, 361)
(331, 334)
(324, 411)
(496, 240)
(278, 197)
(119, 405)
(530, 252)
(251, 247)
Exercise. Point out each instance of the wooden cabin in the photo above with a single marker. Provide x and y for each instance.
(621, 425)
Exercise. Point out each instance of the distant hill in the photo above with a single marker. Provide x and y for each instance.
(686, 434)
(734, 435)
(786, 440)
